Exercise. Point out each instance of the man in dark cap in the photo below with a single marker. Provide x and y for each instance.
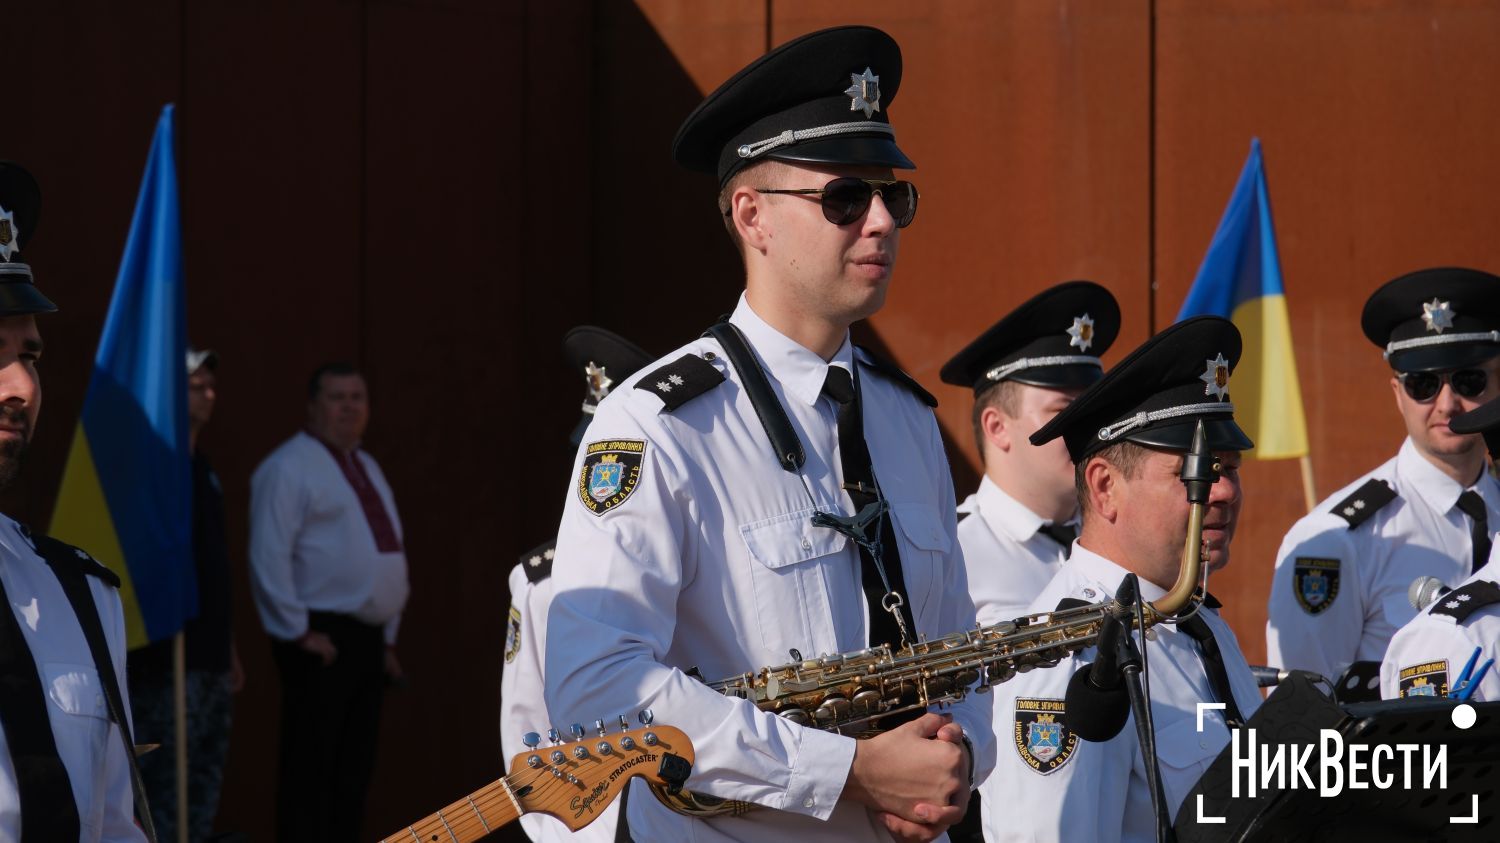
(1343, 571)
(1017, 529)
(770, 491)
(1127, 436)
(603, 359)
(62, 632)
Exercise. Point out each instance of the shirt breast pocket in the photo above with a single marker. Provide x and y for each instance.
(1186, 753)
(791, 599)
(926, 546)
(80, 720)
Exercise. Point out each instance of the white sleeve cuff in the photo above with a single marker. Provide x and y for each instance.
(818, 774)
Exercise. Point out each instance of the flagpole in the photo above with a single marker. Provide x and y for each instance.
(1309, 493)
(179, 703)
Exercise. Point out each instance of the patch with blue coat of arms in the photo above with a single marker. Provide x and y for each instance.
(513, 635)
(611, 471)
(1042, 737)
(1315, 582)
(1429, 679)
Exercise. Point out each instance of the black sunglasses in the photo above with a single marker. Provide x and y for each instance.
(1424, 386)
(847, 198)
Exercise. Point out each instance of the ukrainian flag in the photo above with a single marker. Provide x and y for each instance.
(127, 489)
(1240, 279)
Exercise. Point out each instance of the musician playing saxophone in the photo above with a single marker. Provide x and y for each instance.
(1127, 436)
(690, 542)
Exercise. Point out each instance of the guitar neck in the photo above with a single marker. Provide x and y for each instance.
(470, 818)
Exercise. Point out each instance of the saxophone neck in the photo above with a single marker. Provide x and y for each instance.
(1200, 471)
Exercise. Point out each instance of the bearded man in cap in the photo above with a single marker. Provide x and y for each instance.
(1342, 573)
(1127, 436)
(64, 723)
(603, 359)
(714, 524)
(1019, 526)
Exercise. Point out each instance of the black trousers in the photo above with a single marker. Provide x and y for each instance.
(330, 721)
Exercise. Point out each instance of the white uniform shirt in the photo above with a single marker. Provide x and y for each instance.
(1010, 560)
(1426, 656)
(311, 547)
(712, 562)
(87, 742)
(1099, 792)
(522, 708)
(1420, 533)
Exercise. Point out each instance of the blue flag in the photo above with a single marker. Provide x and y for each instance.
(127, 491)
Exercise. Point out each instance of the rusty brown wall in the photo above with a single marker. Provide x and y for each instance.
(439, 188)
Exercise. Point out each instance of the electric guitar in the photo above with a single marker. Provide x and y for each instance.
(573, 782)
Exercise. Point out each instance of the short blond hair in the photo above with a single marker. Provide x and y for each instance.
(1004, 396)
(1126, 456)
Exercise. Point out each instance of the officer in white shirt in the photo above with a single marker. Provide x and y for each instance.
(328, 572)
(64, 764)
(1019, 526)
(1127, 435)
(603, 359)
(1339, 590)
(1428, 656)
(689, 545)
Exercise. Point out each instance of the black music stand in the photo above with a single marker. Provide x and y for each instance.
(1293, 714)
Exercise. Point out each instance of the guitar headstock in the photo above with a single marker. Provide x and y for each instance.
(575, 780)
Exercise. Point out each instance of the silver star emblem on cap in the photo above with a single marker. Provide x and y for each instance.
(9, 234)
(1215, 377)
(1082, 332)
(1438, 315)
(864, 93)
(599, 382)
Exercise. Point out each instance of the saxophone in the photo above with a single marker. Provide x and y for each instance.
(849, 693)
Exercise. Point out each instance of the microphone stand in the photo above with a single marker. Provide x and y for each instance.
(1133, 664)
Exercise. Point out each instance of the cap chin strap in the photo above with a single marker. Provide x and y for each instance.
(791, 136)
(1125, 425)
(1000, 373)
(1422, 342)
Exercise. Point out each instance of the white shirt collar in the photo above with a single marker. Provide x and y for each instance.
(800, 371)
(1436, 488)
(1106, 575)
(1005, 514)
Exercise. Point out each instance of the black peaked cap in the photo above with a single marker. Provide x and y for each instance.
(20, 210)
(1055, 340)
(1158, 393)
(1434, 319)
(604, 359)
(822, 98)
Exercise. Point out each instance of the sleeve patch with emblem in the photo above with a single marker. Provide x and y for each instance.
(611, 473)
(1315, 582)
(1428, 679)
(513, 635)
(1042, 737)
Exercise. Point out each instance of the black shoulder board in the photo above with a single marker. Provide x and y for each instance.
(892, 371)
(1366, 501)
(1467, 599)
(65, 556)
(538, 561)
(682, 380)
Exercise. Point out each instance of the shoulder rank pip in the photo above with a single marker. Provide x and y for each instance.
(893, 372)
(60, 554)
(537, 562)
(1465, 600)
(682, 380)
(1364, 502)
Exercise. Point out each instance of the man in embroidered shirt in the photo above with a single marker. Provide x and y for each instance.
(1342, 573)
(329, 575)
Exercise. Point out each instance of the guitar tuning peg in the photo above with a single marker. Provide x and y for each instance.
(624, 723)
(599, 727)
(646, 717)
(554, 736)
(531, 739)
(577, 730)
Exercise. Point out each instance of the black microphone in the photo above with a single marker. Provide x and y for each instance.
(1097, 703)
(1266, 677)
(1424, 591)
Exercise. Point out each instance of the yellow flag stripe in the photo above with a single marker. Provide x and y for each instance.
(1266, 391)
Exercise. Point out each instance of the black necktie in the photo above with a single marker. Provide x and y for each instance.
(1063, 534)
(859, 482)
(1479, 527)
(1218, 677)
(46, 794)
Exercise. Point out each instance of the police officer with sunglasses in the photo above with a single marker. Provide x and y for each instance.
(1342, 574)
(771, 492)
